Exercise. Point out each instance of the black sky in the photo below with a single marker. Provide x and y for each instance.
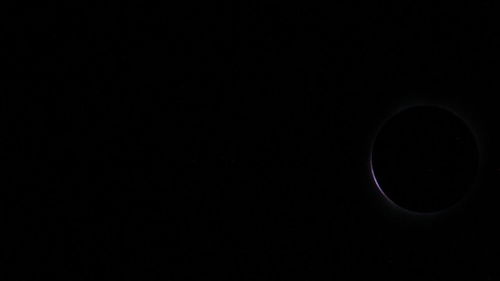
(232, 141)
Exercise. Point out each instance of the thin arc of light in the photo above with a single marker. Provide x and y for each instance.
(372, 171)
(392, 203)
(402, 108)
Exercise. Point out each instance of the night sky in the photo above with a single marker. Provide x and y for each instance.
(233, 142)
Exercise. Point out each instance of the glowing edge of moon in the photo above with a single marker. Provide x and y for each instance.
(372, 170)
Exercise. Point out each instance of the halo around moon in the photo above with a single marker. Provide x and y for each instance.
(424, 159)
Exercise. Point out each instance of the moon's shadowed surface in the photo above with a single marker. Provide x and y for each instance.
(425, 159)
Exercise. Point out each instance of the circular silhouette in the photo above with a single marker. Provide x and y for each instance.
(424, 159)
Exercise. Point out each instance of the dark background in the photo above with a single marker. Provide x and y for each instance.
(232, 141)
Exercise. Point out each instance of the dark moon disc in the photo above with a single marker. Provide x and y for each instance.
(425, 159)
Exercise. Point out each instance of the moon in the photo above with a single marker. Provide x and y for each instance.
(425, 159)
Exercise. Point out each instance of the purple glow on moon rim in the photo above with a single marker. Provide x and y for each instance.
(393, 204)
(401, 109)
